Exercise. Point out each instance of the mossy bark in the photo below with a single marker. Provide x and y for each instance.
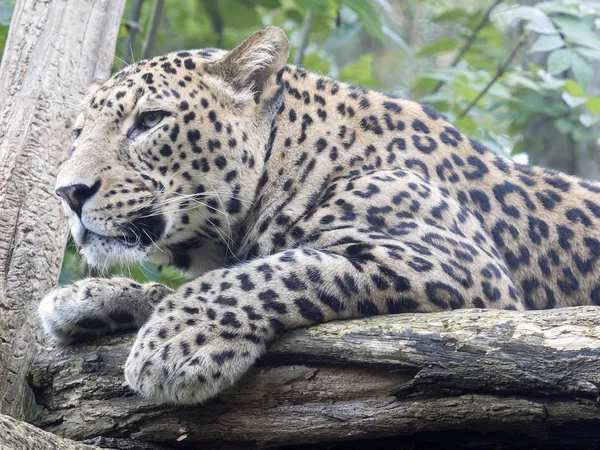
(530, 377)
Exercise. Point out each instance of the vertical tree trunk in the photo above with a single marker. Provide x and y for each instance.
(55, 50)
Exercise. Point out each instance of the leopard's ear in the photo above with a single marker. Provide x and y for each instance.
(248, 68)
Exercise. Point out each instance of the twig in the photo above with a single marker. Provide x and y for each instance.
(216, 21)
(299, 57)
(499, 73)
(155, 16)
(470, 41)
(133, 28)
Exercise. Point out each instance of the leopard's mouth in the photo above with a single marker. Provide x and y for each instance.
(132, 243)
(125, 240)
(144, 231)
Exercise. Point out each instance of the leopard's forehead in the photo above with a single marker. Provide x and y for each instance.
(159, 75)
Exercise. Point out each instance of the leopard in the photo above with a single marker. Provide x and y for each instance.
(291, 199)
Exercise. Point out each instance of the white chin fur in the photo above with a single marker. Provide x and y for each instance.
(103, 253)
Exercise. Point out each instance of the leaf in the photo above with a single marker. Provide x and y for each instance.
(563, 125)
(452, 16)
(360, 72)
(424, 84)
(546, 43)
(593, 104)
(573, 88)
(443, 45)
(582, 69)
(537, 20)
(559, 61)
(592, 53)
(369, 16)
(515, 79)
(437, 98)
(467, 125)
(549, 81)
(396, 38)
(578, 31)
(587, 120)
(573, 101)
(561, 7)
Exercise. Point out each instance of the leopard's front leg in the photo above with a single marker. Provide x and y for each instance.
(204, 337)
(97, 306)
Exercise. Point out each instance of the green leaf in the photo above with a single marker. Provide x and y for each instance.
(561, 7)
(577, 31)
(546, 43)
(396, 38)
(593, 104)
(573, 88)
(588, 120)
(172, 277)
(549, 81)
(537, 20)
(582, 69)
(592, 53)
(437, 98)
(563, 125)
(369, 16)
(467, 125)
(515, 79)
(443, 45)
(360, 72)
(452, 16)
(559, 61)
(572, 101)
(424, 84)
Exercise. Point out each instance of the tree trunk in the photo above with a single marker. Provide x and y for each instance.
(20, 435)
(55, 50)
(471, 376)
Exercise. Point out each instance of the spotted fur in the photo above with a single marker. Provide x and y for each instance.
(294, 199)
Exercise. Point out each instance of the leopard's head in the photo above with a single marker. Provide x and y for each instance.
(171, 149)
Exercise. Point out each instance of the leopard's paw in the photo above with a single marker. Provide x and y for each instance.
(189, 361)
(96, 306)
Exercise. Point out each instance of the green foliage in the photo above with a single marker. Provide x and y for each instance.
(548, 80)
(6, 10)
(441, 52)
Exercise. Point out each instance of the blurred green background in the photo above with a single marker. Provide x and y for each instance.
(522, 77)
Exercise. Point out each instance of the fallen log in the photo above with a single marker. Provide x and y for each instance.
(528, 378)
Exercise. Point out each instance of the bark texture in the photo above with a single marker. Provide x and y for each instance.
(526, 378)
(55, 50)
(20, 436)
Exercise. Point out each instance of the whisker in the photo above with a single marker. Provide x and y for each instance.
(113, 55)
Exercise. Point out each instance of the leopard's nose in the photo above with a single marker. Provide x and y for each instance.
(75, 195)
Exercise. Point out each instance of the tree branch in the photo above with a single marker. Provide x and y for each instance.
(499, 73)
(470, 41)
(306, 27)
(155, 16)
(134, 28)
(484, 373)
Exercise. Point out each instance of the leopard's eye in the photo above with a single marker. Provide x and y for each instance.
(146, 121)
(151, 118)
(76, 132)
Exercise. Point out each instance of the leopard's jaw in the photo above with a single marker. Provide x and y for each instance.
(103, 253)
